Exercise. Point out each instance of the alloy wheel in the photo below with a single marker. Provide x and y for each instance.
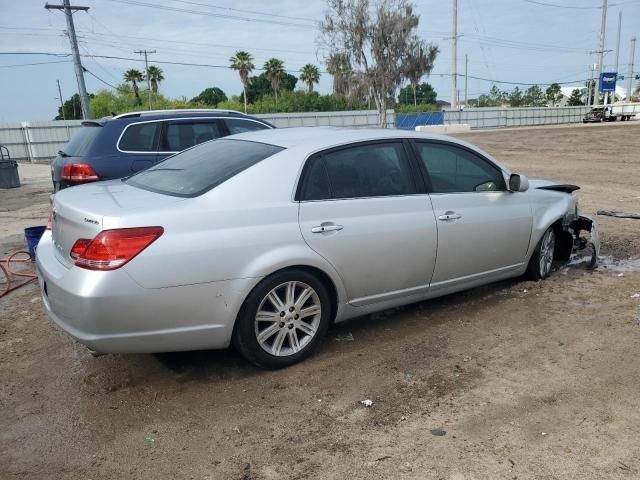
(547, 247)
(288, 318)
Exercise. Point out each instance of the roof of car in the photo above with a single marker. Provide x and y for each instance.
(318, 137)
(311, 139)
(164, 114)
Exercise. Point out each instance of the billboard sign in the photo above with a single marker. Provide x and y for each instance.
(608, 81)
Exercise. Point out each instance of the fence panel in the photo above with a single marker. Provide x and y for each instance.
(515, 117)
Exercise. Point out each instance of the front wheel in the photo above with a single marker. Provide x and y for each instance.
(283, 319)
(542, 259)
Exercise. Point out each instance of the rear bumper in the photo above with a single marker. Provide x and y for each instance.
(110, 313)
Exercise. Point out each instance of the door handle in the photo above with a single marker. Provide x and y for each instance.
(448, 216)
(328, 227)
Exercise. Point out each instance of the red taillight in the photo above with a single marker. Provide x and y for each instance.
(79, 173)
(111, 249)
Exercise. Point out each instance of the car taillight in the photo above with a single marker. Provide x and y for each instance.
(111, 249)
(78, 173)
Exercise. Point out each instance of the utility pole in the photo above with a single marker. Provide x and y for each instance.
(82, 89)
(466, 78)
(454, 57)
(603, 26)
(618, 50)
(146, 67)
(631, 62)
(61, 102)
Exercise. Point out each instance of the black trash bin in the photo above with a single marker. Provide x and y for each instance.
(8, 170)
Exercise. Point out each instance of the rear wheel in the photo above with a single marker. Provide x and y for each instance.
(283, 319)
(542, 259)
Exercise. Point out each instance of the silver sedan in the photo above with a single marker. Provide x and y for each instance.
(263, 239)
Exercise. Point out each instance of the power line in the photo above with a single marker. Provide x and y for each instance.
(94, 75)
(206, 65)
(211, 14)
(31, 64)
(245, 11)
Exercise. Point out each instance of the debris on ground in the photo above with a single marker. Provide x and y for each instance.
(438, 432)
(383, 458)
(367, 403)
(410, 375)
(635, 295)
(613, 213)
(149, 439)
(236, 429)
(345, 338)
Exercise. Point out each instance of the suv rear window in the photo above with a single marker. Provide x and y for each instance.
(81, 141)
(139, 137)
(199, 169)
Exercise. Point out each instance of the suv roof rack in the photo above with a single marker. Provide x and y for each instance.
(179, 110)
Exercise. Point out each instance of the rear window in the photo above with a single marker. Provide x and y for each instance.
(81, 141)
(201, 168)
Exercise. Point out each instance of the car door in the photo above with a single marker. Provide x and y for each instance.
(138, 144)
(180, 134)
(483, 229)
(364, 209)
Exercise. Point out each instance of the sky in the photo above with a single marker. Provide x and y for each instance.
(529, 41)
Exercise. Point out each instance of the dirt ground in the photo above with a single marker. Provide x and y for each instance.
(516, 380)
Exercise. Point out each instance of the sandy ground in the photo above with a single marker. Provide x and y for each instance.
(516, 380)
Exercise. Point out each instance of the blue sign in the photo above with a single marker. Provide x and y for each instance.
(608, 81)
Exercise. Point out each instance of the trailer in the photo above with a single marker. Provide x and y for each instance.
(611, 113)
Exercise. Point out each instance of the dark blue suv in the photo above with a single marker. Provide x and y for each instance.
(116, 147)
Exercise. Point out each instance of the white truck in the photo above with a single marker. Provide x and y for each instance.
(610, 113)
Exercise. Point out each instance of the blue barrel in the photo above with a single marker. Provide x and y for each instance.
(32, 236)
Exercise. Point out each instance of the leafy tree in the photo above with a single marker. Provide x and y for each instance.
(242, 62)
(134, 76)
(71, 109)
(210, 96)
(260, 86)
(376, 42)
(274, 71)
(419, 63)
(553, 94)
(516, 99)
(534, 97)
(575, 99)
(155, 77)
(310, 75)
(422, 94)
(339, 68)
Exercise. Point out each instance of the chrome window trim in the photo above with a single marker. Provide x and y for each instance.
(156, 152)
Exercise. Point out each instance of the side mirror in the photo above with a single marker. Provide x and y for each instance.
(518, 183)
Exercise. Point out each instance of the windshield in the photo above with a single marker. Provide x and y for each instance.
(201, 168)
(81, 141)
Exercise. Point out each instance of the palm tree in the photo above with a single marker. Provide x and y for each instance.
(155, 77)
(274, 70)
(310, 75)
(134, 76)
(242, 62)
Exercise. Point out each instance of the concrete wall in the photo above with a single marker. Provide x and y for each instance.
(515, 117)
(40, 141)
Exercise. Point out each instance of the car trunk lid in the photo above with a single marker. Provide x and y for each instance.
(79, 212)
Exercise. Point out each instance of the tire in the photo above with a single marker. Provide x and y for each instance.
(542, 259)
(290, 327)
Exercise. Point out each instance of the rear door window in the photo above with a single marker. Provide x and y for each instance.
(237, 125)
(140, 137)
(368, 170)
(203, 167)
(179, 136)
